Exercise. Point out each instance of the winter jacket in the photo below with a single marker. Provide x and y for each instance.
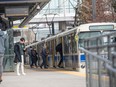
(43, 52)
(2, 42)
(18, 50)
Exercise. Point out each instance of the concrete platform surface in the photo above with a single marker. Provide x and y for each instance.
(43, 78)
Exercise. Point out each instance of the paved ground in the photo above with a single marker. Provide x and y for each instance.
(44, 78)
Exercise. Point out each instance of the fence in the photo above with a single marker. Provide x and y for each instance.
(100, 54)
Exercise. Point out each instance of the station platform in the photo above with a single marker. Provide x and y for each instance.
(37, 77)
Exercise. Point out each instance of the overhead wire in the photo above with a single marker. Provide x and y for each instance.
(47, 10)
(44, 13)
(71, 4)
(55, 8)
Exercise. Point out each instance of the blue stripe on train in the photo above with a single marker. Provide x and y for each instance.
(82, 58)
(73, 58)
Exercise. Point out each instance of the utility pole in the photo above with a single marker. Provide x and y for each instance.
(50, 23)
(93, 9)
(35, 32)
(77, 14)
(53, 28)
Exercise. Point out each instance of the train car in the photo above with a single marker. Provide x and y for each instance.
(71, 39)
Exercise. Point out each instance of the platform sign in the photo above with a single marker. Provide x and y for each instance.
(16, 11)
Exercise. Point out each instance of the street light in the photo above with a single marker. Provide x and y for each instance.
(49, 23)
(34, 31)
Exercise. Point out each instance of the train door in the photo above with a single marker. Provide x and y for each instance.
(50, 46)
(82, 57)
(55, 60)
(74, 51)
(53, 52)
(70, 51)
(58, 41)
(56, 54)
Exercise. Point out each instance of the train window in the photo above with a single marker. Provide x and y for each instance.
(49, 47)
(74, 44)
(16, 33)
(67, 45)
(101, 27)
(84, 35)
(105, 39)
(70, 44)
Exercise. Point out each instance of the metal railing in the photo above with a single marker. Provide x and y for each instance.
(8, 63)
(100, 54)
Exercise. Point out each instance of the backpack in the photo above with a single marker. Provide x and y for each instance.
(58, 47)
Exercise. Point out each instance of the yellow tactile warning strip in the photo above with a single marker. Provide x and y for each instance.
(103, 77)
(76, 73)
(73, 73)
(69, 72)
(94, 76)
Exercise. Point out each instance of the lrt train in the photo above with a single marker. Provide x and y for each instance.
(71, 39)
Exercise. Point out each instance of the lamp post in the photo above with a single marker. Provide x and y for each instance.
(35, 35)
(34, 31)
(94, 9)
(49, 23)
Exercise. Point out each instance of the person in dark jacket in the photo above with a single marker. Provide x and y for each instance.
(19, 48)
(2, 50)
(44, 55)
(30, 56)
(59, 49)
(34, 58)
